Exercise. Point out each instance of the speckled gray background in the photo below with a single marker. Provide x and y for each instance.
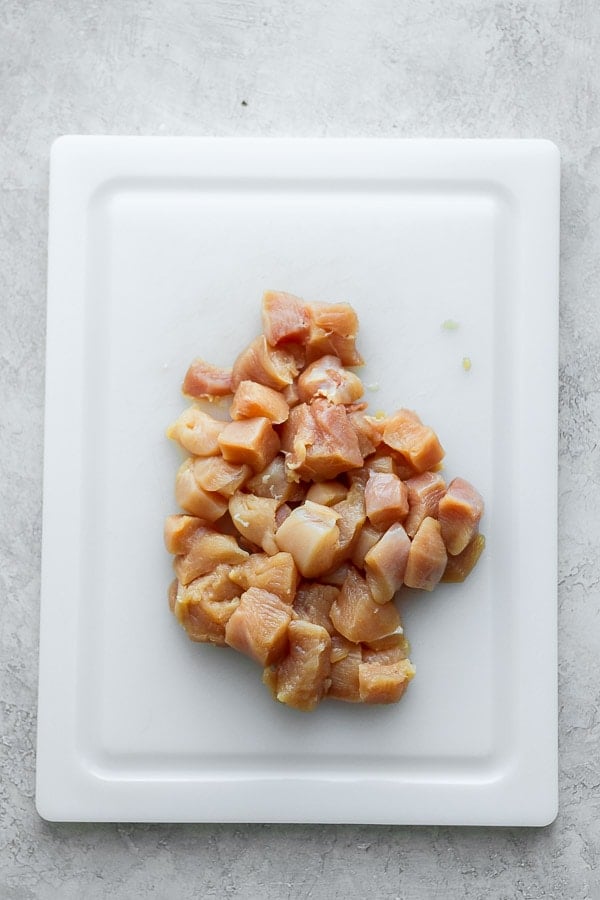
(457, 68)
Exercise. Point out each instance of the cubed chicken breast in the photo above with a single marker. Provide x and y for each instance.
(427, 557)
(357, 616)
(277, 574)
(206, 549)
(254, 517)
(259, 362)
(273, 482)
(258, 627)
(253, 442)
(203, 381)
(197, 432)
(326, 377)
(253, 400)
(333, 330)
(346, 658)
(319, 442)
(424, 494)
(458, 567)
(387, 650)
(313, 602)
(179, 530)
(310, 534)
(367, 538)
(386, 499)
(285, 318)
(369, 437)
(351, 513)
(384, 683)
(459, 512)
(385, 563)
(416, 443)
(327, 493)
(193, 498)
(302, 678)
(215, 474)
(205, 605)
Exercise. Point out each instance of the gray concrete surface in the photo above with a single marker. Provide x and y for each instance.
(487, 68)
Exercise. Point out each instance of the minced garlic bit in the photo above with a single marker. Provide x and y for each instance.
(466, 363)
(450, 325)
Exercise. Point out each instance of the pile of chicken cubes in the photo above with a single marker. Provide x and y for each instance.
(304, 515)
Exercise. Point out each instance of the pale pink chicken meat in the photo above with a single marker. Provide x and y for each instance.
(327, 493)
(319, 442)
(253, 442)
(310, 534)
(385, 563)
(351, 514)
(302, 678)
(458, 567)
(215, 474)
(356, 615)
(424, 494)
(384, 683)
(333, 330)
(416, 443)
(205, 605)
(259, 362)
(386, 499)
(367, 538)
(206, 548)
(346, 658)
(326, 377)
(285, 318)
(459, 511)
(193, 498)
(197, 432)
(427, 557)
(277, 574)
(205, 381)
(258, 626)
(251, 400)
(273, 482)
(254, 517)
(390, 649)
(179, 530)
(368, 436)
(313, 602)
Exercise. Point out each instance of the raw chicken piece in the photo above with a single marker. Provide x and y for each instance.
(310, 534)
(254, 517)
(385, 563)
(259, 362)
(290, 393)
(427, 557)
(302, 678)
(346, 657)
(327, 492)
(424, 494)
(252, 399)
(213, 473)
(326, 377)
(313, 602)
(384, 683)
(259, 626)
(319, 442)
(273, 482)
(206, 549)
(369, 437)
(251, 441)
(385, 498)
(382, 462)
(194, 499)
(390, 649)
(352, 514)
(418, 444)
(458, 567)
(282, 513)
(356, 615)
(285, 318)
(173, 588)
(179, 530)
(205, 381)
(333, 329)
(277, 574)
(197, 432)
(460, 511)
(368, 537)
(206, 604)
(337, 576)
